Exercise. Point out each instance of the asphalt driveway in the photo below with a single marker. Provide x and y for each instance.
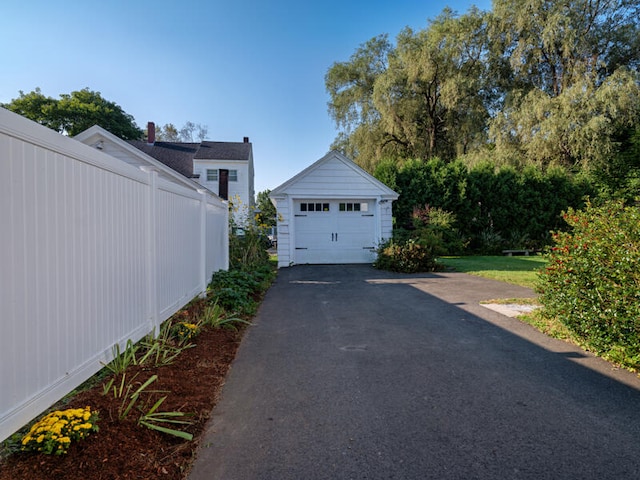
(354, 373)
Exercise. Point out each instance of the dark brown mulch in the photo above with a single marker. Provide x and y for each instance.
(124, 450)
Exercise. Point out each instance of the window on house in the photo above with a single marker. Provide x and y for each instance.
(212, 175)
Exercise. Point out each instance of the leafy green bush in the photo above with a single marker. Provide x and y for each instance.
(592, 281)
(250, 271)
(234, 290)
(240, 280)
(234, 300)
(435, 227)
(488, 202)
(408, 256)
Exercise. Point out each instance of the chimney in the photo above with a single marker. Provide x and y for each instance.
(151, 133)
(246, 139)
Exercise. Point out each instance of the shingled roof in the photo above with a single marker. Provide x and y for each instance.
(223, 151)
(180, 156)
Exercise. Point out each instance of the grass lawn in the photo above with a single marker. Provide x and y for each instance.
(516, 270)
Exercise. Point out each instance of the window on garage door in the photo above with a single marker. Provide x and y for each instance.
(353, 207)
(314, 207)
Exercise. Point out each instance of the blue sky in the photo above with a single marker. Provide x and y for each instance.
(242, 67)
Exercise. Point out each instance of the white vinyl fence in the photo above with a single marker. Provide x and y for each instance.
(93, 252)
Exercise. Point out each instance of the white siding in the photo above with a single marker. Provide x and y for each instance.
(386, 221)
(92, 252)
(334, 179)
(241, 188)
(284, 217)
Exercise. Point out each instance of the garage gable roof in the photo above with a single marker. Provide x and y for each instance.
(334, 175)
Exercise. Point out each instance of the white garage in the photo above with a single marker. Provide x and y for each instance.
(332, 212)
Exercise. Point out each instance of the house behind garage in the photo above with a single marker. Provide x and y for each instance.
(332, 212)
(225, 168)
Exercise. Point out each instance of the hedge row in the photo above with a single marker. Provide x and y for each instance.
(494, 208)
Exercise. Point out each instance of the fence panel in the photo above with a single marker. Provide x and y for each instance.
(178, 238)
(87, 260)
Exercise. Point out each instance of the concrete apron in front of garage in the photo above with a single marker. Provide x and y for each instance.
(355, 373)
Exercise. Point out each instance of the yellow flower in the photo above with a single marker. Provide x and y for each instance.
(40, 439)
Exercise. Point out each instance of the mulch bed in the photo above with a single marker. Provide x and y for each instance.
(124, 450)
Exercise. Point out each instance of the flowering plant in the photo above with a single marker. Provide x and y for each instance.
(185, 331)
(54, 432)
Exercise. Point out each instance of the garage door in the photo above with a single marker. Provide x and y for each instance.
(334, 231)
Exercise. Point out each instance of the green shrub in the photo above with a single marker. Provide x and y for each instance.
(435, 227)
(409, 256)
(592, 281)
(240, 280)
(489, 202)
(248, 250)
(250, 271)
(234, 300)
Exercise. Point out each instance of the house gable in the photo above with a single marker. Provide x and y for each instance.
(189, 160)
(110, 144)
(232, 156)
(334, 175)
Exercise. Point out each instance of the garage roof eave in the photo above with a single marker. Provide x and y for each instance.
(288, 187)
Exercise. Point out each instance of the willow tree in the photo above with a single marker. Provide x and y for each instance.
(578, 128)
(574, 78)
(350, 86)
(431, 99)
(425, 97)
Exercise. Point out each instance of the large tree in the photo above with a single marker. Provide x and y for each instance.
(425, 97)
(577, 128)
(553, 45)
(533, 81)
(574, 83)
(431, 99)
(350, 86)
(75, 112)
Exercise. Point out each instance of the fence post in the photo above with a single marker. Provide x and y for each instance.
(152, 251)
(203, 243)
(225, 239)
